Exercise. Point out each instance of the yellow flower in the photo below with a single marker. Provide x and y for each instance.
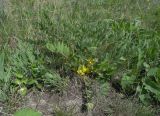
(91, 61)
(82, 70)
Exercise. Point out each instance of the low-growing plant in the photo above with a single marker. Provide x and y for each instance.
(54, 80)
(27, 70)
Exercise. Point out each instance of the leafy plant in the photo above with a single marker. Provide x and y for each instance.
(152, 81)
(104, 69)
(59, 47)
(27, 69)
(104, 88)
(127, 83)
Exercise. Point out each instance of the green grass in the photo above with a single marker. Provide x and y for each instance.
(56, 37)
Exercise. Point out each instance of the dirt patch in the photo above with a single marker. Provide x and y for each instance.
(70, 101)
(48, 102)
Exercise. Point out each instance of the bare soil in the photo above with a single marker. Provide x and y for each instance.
(71, 100)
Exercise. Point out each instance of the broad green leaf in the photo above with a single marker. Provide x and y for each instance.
(19, 75)
(152, 86)
(27, 112)
(32, 81)
(39, 86)
(24, 80)
(17, 82)
(122, 58)
(146, 65)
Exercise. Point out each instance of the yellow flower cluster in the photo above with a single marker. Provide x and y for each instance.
(82, 70)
